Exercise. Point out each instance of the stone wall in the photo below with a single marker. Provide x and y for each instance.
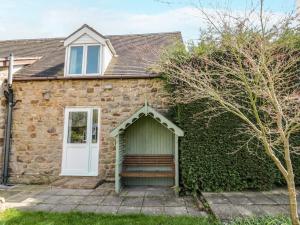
(38, 120)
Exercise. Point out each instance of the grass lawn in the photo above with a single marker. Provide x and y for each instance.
(15, 217)
(279, 220)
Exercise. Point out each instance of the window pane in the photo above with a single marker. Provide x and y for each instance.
(77, 127)
(76, 56)
(95, 126)
(92, 65)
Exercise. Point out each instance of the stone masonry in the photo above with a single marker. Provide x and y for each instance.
(38, 120)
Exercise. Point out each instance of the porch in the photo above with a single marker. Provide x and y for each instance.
(146, 150)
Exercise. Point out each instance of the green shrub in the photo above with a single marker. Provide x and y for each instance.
(211, 157)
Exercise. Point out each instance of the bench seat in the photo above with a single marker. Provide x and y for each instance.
(148, 161)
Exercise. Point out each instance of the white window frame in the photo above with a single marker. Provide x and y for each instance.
(84, 60)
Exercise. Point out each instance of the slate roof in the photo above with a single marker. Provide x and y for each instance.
(135, 52)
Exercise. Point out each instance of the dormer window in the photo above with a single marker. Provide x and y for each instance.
(84, 60)
(88, 53)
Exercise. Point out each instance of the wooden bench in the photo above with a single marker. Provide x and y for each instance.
(148, 161)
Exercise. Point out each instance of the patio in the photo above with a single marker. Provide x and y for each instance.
(229, 205)
(146, 200)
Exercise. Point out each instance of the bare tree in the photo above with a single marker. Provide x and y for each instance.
(252, 71)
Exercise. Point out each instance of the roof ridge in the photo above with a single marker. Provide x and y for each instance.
(144, 34)
(109, 35)
(33, 39)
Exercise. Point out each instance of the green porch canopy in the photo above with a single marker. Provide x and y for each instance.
(119, 133)
(147, 110)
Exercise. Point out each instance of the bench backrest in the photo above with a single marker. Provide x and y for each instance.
(148, 160)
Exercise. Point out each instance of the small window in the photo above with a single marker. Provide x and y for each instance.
(84, 60)
(76, 56)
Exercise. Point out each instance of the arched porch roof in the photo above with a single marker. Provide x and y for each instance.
(147, 110)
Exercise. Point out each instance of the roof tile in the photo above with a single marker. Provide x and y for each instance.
(135, 52)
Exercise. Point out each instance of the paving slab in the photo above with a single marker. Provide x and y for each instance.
(112, 201)
(153, 201)
(272, 210)
(49, 192)
(76, 192)
(7, 194)
(19, 197)
(101, 193)
(43, 207)
(256, 210)
(92, 200)
(152, 210)
(86, 208)
(247, 204)
(216, 198)
(192, 211)
(260, 198)
(175, 201)
(225, 211)
(156, 193)
(54, 199)
(279, 198)
(63, 208)
(72, 200)
(237, 198)
(17, 205)
(41, 198)
(175, 211)
(133, 193)
(107, 209)
(132, 201)
(31, 200)
(129, 210)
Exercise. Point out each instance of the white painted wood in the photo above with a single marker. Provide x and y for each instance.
(80, 159)
(85, 39)
(107, 57)
(83, 31)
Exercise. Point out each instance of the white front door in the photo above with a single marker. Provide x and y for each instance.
(81, 142)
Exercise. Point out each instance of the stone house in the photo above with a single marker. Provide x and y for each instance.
(89, 106)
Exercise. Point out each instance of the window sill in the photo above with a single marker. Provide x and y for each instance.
(84, 75)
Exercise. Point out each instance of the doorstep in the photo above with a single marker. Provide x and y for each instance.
(77, 182)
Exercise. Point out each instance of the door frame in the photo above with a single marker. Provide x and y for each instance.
(90, 109)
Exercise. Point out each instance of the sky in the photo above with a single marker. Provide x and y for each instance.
(21, 19)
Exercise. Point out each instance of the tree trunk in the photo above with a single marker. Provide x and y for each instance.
(293, 200)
